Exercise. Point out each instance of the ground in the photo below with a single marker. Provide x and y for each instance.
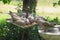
(41, 9)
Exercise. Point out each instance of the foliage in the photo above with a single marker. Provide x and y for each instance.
(0, 0)
(55, 20)
(6, 1)
(8, 31)
(58, 2)
(48, 19)
(54, 4)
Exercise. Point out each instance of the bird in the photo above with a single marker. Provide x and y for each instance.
(16, 19)
(22, 14)
(41, 17)
(47, 26)
(26, 21)
(23, 23)
(44, 24)
(14, 16)
(31, 18)
(19, 20)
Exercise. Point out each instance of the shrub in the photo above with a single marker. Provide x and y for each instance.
(8, 31)
(55, 20)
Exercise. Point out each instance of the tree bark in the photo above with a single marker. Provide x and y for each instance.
(31, 33)
(29, 5)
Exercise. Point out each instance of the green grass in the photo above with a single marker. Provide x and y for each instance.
(45, 8)
(46, 2)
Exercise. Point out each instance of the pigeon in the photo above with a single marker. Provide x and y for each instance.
(17, 19)
(14, 16)
(31, 18)
(19, 22)
(44, 24)
(41, 17)
(22, 14)
(26, 21)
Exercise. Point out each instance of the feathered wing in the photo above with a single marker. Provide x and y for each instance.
(19, 20)
(43, 24)
(23, 21)
(16, 18)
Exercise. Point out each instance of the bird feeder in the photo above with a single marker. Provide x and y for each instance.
(25, 24)
(21, 25)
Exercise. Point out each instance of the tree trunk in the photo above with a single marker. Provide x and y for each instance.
(31, 33)
(29, 5)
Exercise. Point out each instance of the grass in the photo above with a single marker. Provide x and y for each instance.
(45, 8)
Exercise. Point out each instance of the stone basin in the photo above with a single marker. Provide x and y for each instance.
(54, 34)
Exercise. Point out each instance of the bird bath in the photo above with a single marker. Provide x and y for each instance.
(53, 34)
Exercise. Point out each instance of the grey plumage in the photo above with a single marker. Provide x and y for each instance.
(26, 21)
(41, 17)
(22, 14)
(44, 24)
(22, 20)
(19, 20)
(31, 18)
(14, 16)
